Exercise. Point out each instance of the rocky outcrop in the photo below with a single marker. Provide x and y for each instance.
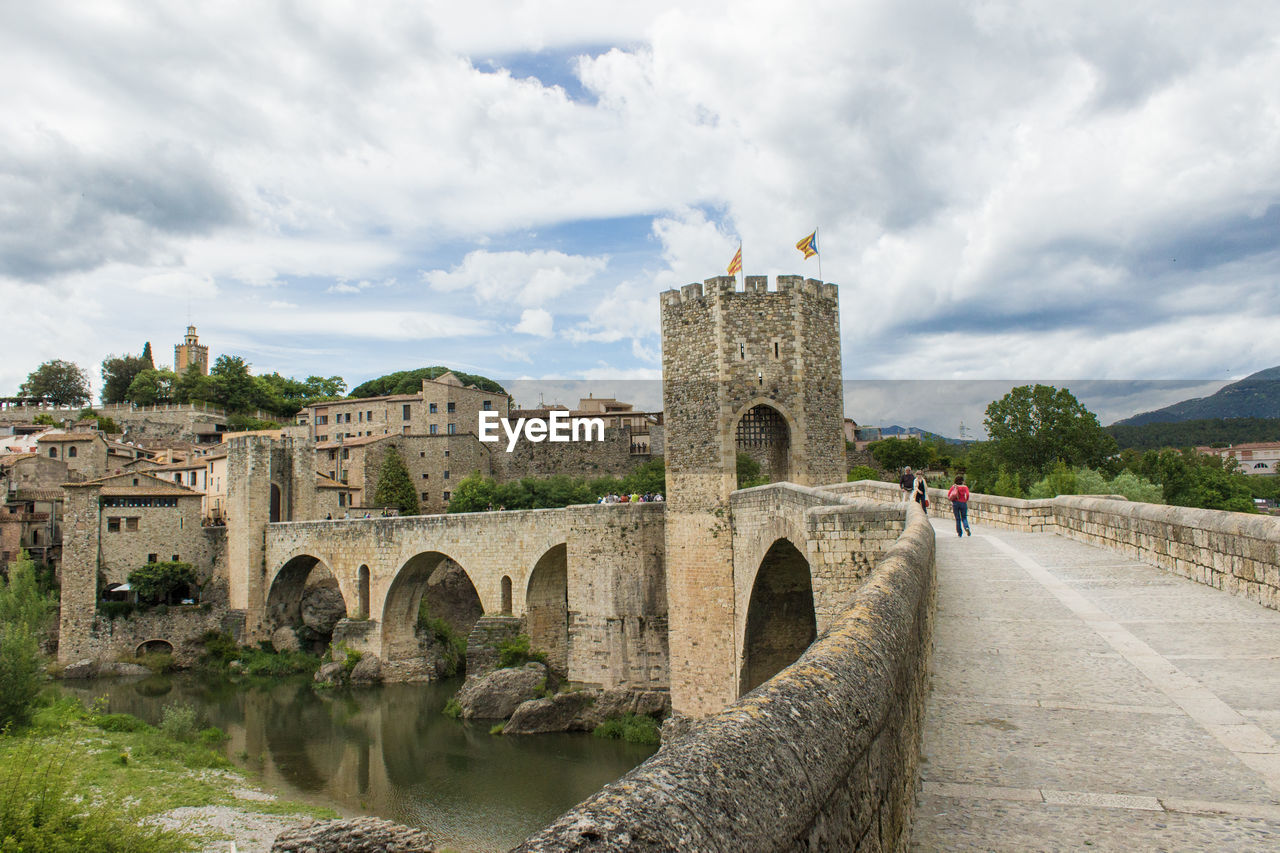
(331, 673)
(323, 606)
(368, 670)
(497, 695)
(583, 710)
(451, 596)
(79, 669)
(123, 670)
(285, 640)
(558, 713)
(358, 835)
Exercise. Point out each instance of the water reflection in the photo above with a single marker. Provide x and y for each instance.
(389, 751)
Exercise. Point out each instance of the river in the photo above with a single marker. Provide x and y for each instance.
(387, 751)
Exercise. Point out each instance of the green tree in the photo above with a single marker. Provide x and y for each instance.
(163, 583)
(394, 486)
(24, 616)
(118, 373)
(473, 493)
(102, 422)
(749, 473)
(894, 454)
(146, 356)
(410, 382)
(59, 382)
(153, 388)
(1034, 426)
(233, 386)
(194, 387)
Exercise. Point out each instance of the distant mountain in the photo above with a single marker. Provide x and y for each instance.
(1255, 396)
(896, 431)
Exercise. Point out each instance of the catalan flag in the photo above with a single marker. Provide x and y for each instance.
(809, 245)
(735, 265)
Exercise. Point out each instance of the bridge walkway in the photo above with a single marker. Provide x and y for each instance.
(1084, 701)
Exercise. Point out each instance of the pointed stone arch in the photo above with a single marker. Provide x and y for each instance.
(781, 621)
(763, 429)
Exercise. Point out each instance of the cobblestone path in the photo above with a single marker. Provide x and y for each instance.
(1083, 701)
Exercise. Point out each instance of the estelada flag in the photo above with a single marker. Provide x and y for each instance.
(735, 265)
(809, 245)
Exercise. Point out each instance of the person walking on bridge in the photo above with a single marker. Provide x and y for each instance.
(959, 497)
(922, 492)
(907, 482)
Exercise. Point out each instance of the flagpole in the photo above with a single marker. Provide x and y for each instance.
(819, 253)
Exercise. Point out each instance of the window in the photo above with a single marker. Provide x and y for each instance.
(405, 414)
(446, 497)
(360, 417)
(322, 438)
(191, 480)
(321, 420)
(346, 453)
(422, 453)
(342, 498)
(113, 525)
(131, 524)
(426, 496)
(369, 416)
(434, 429)
(453, 429)
(177, 478)
(488, 405)
(153, 558)
(446, 454)
(451, 407)
(71, 452)
(333, 454)
(426, 476)
(432, 409)
(446, 475)
(175, 558)
(53, 453)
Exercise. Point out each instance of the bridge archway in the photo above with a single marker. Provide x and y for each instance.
(153, 646)
(781, 622)
(762, 431)
(547, 607)
(451, 595)
(305, 576)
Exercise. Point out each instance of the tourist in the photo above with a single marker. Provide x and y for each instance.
(907, 483)
(922, 492)
(959, 497)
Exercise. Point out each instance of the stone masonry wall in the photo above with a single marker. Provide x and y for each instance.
(618, 596)
(1232, 551)
(586, 459)
(824, 756)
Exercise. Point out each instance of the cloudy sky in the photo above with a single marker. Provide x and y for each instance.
(1054, 191)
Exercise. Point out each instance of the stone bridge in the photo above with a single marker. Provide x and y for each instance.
(588, 581)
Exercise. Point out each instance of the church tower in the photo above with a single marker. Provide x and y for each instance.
(190, 352)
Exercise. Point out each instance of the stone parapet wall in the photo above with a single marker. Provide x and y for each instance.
(181, 627)
(1232, 551)
(824, 756)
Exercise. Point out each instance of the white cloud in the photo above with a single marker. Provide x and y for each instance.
(526, 278)
(534, 321)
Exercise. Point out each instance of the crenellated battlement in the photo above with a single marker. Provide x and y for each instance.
(727, 285)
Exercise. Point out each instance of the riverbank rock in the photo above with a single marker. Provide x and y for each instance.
(285, 639)
(79, 669)
(497, 695)
(358, 835)
(331, 673)
(368, 670)
(553, 714)
(123, 670)
(323, 606)
(619, 703)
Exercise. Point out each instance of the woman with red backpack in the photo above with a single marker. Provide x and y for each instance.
(959, 497)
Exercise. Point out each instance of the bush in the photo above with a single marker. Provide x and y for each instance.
(24, 613)
(42, 810)
(157, 662)
(117, 609)
(452, 708)
(212, 737)
(862, 472)
(178, 722)
(119, 723)
(260, 662)
(163, 583)
(633, 728)
(453, 644)
(517, 652)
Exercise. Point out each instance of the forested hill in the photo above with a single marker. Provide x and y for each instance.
(410, 382)
(1255, 396)
(1153, 436)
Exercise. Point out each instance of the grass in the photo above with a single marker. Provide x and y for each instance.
(633, 728)
(116, 764)
(517, 652)
(452, 709)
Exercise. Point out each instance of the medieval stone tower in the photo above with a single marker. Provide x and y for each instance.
(754, 371)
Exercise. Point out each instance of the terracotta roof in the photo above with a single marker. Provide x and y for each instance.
(324, 481)
(147, 491)
(39, 494)
(357, 401)
(68, 436)
(147, 485)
